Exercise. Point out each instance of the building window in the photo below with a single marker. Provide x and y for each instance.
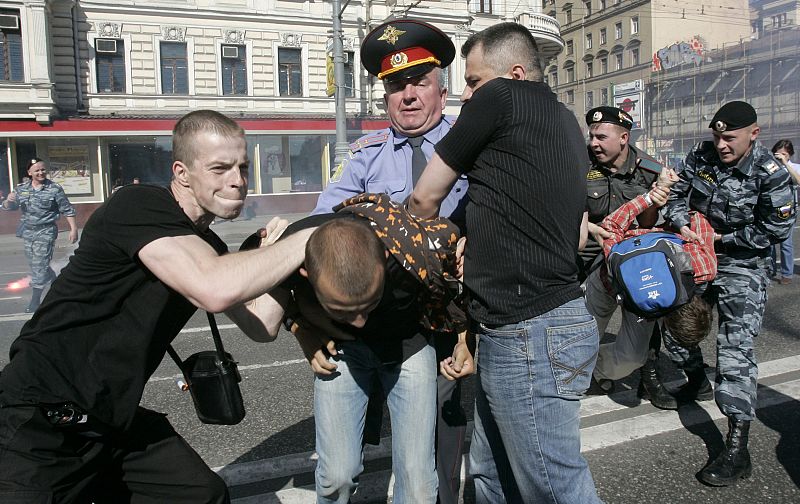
(234, 70)
(554, 78)
(634, 25)
(589, 70)
(603, 38)
(588, 7)
(570, 96)
(11, 46)
(568, 14)
(110, 64)
(779, 20)
(174, 68)
(635, 56)
(481, 6)
(618, 61)
(588, 41)
(603, 65)
(618, 31)
(589, 100)
(349, 75)
(604, 96)
(570, 73)
(570, 48)
(290, 72)
(602, 4)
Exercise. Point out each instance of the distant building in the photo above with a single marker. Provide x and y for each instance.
(615, 49)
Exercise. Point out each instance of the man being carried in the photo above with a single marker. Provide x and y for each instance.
(619, 358)
(378, 282)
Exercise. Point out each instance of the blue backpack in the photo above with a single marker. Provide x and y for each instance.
(651, 273)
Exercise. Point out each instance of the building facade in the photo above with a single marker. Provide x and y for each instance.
(95, 88)
(614, 49)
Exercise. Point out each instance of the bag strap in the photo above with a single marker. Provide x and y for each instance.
(212, 322)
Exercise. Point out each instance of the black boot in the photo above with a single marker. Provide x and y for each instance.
(650, 387)
(734, 462)
(698, 388)
(36, 297)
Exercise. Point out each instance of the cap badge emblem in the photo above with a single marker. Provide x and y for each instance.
(720, 126)
(398, 59)
(597, 116)
(391, 34)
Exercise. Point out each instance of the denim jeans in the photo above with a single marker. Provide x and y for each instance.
(340, 405)
(531, 375)
(787, 257)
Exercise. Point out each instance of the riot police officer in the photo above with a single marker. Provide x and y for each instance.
(747, 197)
(619, 173)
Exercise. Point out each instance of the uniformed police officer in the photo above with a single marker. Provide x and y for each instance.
(408, 56)
(619, 173)
(747, 197)
(42, 202)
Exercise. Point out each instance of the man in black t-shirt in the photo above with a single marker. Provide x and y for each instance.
(526, 164)
(371, 295)
(71, 429)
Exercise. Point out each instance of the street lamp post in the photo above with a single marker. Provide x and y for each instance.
(341, 147)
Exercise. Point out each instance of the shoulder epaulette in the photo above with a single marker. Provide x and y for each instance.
(649, 164)
(770, 166)
(369, 140)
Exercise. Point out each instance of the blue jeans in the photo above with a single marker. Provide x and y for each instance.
(787, 257)
(340, 405)
(531, 375)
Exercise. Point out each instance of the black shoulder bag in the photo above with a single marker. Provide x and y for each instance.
(213, 379)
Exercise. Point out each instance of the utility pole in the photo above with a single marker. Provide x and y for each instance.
(341, 147)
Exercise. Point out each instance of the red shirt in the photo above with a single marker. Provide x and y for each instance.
(704, 260)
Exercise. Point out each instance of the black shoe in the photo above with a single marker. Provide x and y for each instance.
(603, 386)
(698, 388)
(733, 463)
(651, 388)
(36, 299)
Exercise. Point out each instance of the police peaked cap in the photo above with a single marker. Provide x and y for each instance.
(405, 48)
(611, 115)
(733, 116)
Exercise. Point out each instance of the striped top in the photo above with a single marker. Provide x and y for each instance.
(526, 163)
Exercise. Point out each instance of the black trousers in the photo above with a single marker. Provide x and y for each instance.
(150, 463)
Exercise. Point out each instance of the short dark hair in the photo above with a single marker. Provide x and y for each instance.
(690, 323)
(345, 251)
(504, 45)
(188, 126)
(785, 145)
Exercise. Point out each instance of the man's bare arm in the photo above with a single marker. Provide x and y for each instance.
(216, 283)
(433, 186)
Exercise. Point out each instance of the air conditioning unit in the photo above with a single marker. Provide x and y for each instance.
(9, 21)
(230, 52)
(105, 45)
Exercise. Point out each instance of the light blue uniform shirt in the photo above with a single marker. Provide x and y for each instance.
(380, 162)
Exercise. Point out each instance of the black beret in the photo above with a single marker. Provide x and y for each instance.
(733, 116)
(33, 161)
(611, 115)
(405, 48)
